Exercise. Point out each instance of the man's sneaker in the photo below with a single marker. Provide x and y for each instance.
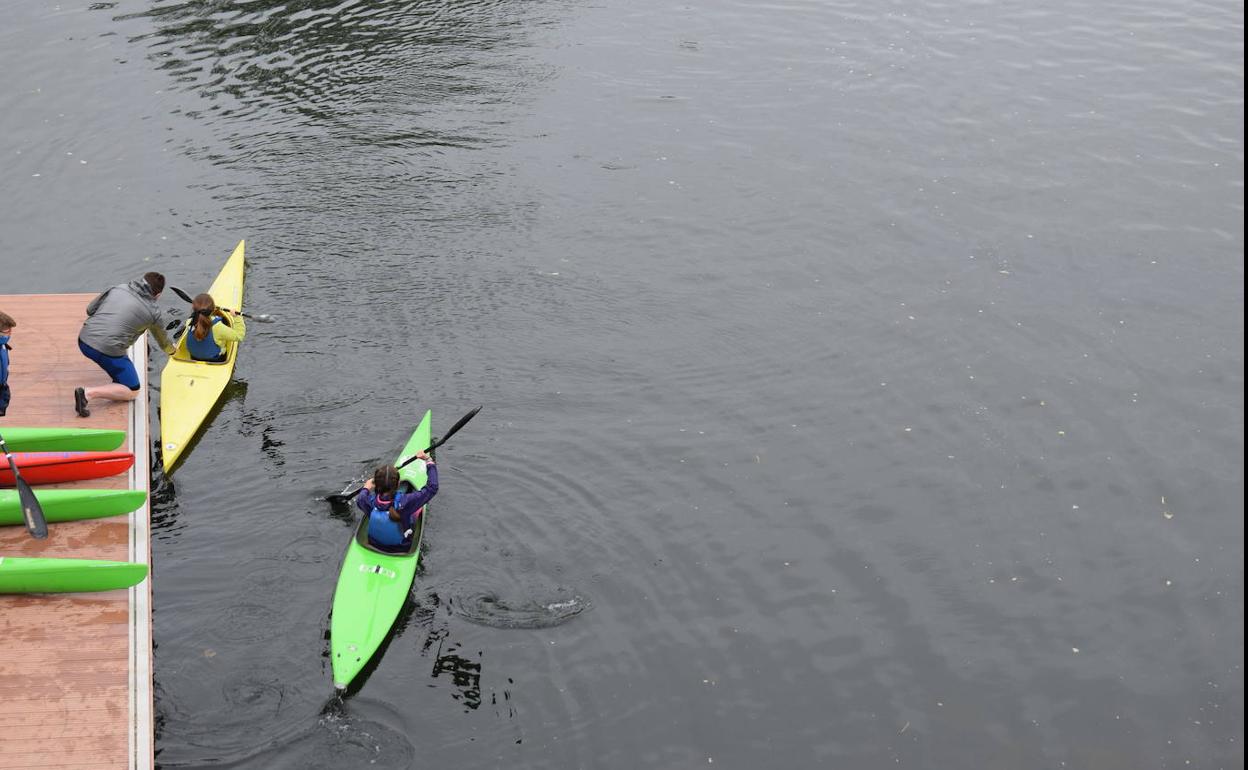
(80, 402)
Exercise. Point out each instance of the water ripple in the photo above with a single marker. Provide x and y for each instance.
(489, 609)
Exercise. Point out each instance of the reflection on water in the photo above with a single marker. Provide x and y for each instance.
(353, 116)
(235, 392)
(164, 507)
(465, 673)
(336, 65)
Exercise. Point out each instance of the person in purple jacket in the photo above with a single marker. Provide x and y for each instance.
(392, 512)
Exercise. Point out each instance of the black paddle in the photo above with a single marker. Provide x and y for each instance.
(263, 318)
(36, 525)
(342, 499)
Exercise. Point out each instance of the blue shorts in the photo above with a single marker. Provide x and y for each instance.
(120, 368)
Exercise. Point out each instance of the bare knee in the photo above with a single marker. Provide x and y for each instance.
(113, 392)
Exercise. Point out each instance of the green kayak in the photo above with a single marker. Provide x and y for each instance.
(72, 504)
(49, 576)
(372, 585)
(62, 439)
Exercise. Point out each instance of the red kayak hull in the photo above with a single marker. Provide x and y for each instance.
(57, 467)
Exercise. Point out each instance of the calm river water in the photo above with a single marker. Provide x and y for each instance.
(863, 381)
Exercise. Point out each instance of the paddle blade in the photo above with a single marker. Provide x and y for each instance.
(181, 294)
(344, 498)
(36, 525)
(32, 511)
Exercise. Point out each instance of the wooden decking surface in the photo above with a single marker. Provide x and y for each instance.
(75, 674)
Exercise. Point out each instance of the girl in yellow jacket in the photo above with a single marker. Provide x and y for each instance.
(212, 330)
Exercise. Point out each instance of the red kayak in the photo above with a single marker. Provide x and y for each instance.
(56, 467)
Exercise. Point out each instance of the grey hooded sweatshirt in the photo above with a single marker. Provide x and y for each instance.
(117, 318)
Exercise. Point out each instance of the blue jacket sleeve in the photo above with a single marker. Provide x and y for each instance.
(364, 501)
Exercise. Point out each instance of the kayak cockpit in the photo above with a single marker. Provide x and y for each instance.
(361, 534)
(184, 355)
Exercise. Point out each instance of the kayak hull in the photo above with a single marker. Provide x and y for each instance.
(50, 576)
(62, 439)
(190, 389)
(72, 504)
(372, 586)
(59, 467)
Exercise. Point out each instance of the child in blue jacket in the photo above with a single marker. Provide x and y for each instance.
(6, 330)
(392, 513)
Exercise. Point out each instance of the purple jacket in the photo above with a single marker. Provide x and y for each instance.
(409, 502)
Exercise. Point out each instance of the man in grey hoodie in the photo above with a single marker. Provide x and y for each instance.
(115, 319)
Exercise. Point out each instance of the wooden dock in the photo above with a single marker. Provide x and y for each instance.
(76, 670)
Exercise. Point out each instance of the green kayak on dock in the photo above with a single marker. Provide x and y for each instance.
(72, 504)
(62, 439)
(373, 585)
(54, 576)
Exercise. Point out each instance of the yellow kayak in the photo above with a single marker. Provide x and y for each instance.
(189, 389)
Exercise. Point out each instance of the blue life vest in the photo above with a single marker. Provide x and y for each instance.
(383, 530)
(206, 349)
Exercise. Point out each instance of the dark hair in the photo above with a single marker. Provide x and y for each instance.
(201, 315)
(6, 321)
(155, 282)
(386, 482)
